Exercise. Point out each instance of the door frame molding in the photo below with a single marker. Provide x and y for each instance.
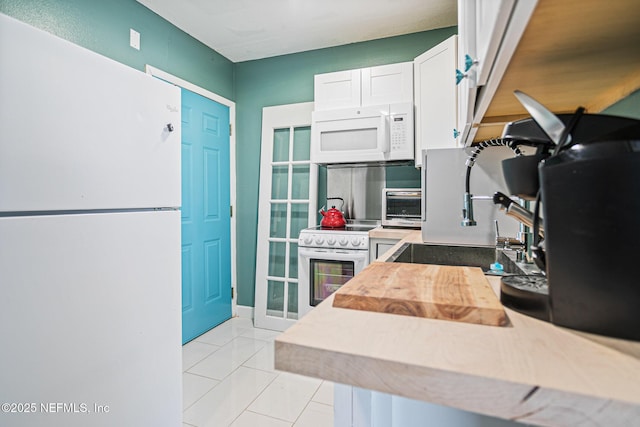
(156, 72)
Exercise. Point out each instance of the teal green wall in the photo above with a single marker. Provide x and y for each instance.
(103, 26)
(627, 107)
(289, 79)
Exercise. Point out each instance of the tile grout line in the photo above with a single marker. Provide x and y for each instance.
(299, 415)
(259, 394)
(237, 334)
(241, 364)
(268, 416)
(219, 381)
(307, 405)
(200, 360)
(198, 399)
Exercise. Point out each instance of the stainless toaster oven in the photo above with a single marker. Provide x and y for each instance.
(401, 207)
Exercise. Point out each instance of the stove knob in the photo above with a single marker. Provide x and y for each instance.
(307, 240)
(319, 240)
(355, 241)
(331, 240)
(343, 241)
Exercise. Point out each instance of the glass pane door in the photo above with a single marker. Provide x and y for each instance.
(289, 206)
(290, 173)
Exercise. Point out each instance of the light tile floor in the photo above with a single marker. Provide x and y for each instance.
(229, 380)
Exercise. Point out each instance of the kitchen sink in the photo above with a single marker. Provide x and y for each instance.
(473, 256)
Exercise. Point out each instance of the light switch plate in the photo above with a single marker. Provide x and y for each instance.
(134, 39)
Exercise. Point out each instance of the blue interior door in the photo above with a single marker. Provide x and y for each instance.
(206, 217)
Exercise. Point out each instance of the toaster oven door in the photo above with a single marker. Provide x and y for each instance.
(402, 208)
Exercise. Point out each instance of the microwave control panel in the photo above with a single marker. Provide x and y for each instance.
(401, 131)
(398, 137)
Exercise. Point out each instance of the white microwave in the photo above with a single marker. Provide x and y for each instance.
(378, 133)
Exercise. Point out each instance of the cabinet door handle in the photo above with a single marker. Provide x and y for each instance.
(456, 133)
(459, 76)
(469, 62)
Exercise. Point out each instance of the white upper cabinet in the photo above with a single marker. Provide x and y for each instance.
(467, 90)
(435, 95)
(466, 77)
(484, 22)
(337, 90)
(385, 84)
(488, 31)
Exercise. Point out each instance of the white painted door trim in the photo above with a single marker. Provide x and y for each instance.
(232, 159)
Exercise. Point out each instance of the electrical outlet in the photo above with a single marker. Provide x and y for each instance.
(134, 39)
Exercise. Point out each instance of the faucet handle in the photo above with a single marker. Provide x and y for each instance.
(509, 242)
(504, 242)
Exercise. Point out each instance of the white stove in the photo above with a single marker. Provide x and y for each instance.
(328, 258)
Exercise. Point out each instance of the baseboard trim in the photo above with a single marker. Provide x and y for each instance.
(245, 311)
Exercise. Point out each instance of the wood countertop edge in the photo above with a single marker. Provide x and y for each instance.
(325, 332)
(516, 401)
(390, 233)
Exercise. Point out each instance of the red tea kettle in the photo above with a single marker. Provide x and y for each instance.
(332, 218)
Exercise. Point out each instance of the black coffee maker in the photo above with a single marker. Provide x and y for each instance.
(588, 182)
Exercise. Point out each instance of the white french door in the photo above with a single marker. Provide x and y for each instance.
(288, 203)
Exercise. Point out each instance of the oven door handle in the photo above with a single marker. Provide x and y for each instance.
(331, 255)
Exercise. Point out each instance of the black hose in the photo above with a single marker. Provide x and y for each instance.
(495, 142)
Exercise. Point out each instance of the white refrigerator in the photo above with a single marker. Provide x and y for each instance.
(90, 310)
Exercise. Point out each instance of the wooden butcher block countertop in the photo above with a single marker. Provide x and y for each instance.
(529, 370)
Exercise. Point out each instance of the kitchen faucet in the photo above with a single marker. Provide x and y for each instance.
(467, 209)
(522, 242)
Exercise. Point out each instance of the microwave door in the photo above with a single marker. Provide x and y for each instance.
(352, 135)
(364, 134)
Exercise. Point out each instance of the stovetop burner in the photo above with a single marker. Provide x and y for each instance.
(362, 225)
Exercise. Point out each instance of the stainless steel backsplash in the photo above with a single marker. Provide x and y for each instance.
(361, 188)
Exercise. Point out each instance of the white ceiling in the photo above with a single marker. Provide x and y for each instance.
(243, 30)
